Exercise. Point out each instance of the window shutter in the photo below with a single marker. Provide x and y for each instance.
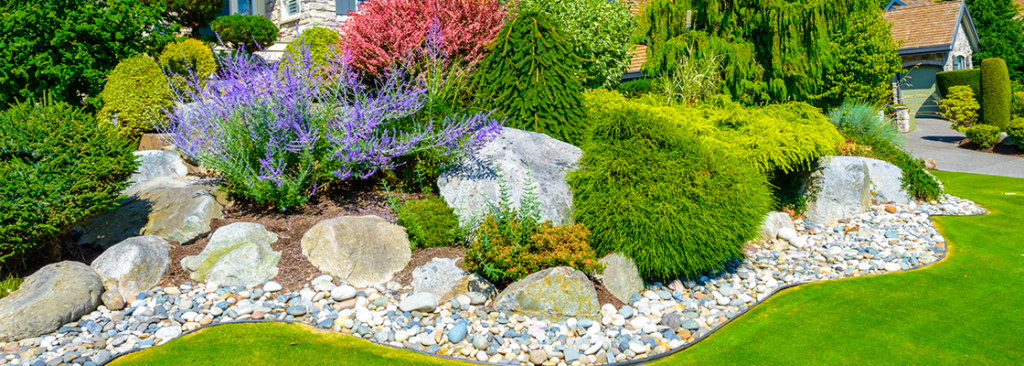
(342, 7)
(293, 7)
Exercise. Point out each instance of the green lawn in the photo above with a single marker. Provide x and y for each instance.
(966, 310)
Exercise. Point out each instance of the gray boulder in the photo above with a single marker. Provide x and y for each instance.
(886, 181)
(471, 283)
(554, 294)
(53, 296)
(620, 276)
(840, 187)
(359, 250)
(773, 222)
(436, 277)
(134, 265)
(472, 186)
(178, 209)
(238, 254)
(155, 164)
(421, 301)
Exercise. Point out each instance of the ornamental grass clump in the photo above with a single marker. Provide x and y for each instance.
(862, 118)
(652, 190)
(277, 135)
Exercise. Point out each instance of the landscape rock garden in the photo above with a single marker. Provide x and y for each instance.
(70, 313)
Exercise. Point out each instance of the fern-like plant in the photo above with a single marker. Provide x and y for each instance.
(862, 119)
(530, 76)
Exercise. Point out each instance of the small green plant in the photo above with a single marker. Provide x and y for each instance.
(185, 59)
(429, 222)
(636, 88)
(983, 135)
(862, 119)
(1017, 104)
(995, 90)
(10, 285)
(1016, 130)
(960, 107)
(59, 167)
(135, 96)
(248, 32)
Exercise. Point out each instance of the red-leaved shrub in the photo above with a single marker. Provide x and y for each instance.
(385, 32)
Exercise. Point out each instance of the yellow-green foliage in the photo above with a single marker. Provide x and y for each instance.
(136, 94)
(984, 135)
(960, 107)
(780, 137)
(188, 60)
(320, 41)
(9, 285)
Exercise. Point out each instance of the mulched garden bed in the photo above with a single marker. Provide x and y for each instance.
(999, 149)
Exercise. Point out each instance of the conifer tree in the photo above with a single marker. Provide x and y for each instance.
(530, 77)
(1001, 32)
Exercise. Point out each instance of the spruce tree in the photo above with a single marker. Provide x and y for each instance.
(530, 77)
(1000, 32)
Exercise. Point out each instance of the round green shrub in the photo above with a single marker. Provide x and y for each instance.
(188, 60)
(1016, 130)
(429, 222)
(135, 96)
(654, 192)
(250, 32)
(984, 135)
(320, 41)
(59, 167)
(995, 92)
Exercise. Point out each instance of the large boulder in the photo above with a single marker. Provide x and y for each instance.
(238, 254)
(155, 164)
(437, 276)
(554, 294)
(840, 187)
(518, 156)
(53, 296)
(359, 250)
(134, 265)
(178, 209)
(620, 276)
(887, 181)
(773, 222)
(471, 283)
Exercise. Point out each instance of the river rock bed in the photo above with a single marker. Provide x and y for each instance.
(888, 238)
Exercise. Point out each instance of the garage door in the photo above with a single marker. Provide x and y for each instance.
(920, 93)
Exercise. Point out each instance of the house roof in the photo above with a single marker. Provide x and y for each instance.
(1020, 3)
(930, 28)
(640, 52)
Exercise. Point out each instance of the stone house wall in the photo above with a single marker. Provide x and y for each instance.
(961, 47)
(314, 13)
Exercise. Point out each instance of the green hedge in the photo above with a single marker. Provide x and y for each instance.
(252, 32)
(136, 94)
(59, 166)
(949, 79)
(995, 93)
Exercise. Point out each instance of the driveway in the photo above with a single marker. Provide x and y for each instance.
(934, 140)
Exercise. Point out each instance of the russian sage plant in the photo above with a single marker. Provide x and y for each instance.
(276, 133)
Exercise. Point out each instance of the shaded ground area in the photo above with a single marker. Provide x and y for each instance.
(934, 140)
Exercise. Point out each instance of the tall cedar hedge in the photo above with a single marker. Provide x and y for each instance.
(995, 93)
(530, 77)
(968, 77)
(651, 189)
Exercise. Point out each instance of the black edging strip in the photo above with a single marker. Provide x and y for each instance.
(638, 361)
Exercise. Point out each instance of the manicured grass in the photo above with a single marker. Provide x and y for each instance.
(965, 310)
(272, 344)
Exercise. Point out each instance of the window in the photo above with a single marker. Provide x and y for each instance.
(959, 64)
(244, 7)
(342, 7)
(290, 10)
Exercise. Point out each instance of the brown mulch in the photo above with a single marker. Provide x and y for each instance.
(605, 297)
(1000, 149)
(357, 198)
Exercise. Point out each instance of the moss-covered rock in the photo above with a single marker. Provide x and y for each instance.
(554, 293)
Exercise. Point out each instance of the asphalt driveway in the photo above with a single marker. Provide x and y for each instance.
(934, 140)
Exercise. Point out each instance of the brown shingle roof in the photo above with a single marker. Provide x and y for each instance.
(639, 56)
(924, 25)
(1020, 3)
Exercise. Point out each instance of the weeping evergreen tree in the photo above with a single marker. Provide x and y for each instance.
(529, 76)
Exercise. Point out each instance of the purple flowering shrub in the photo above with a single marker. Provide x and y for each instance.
(277, 132)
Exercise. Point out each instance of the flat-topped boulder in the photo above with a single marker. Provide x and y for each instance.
(359, 250)
(55, 295)
(554, 294)
(518, 157)
(178, 209)
(156, 164)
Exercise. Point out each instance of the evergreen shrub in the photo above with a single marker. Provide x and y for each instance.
(135, 95)
(983, 135)
(1015, 130)
(429, 222)
(248, 32)
(59, 167)
(946, 80)
(185, 59)
(995, 93)
(652, 190)
(530, 77)
(320, 42)
(960, 108)
(635, 88)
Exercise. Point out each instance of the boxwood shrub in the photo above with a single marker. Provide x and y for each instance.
(1016, 130)
(995, 93)
(249, 32)
(59, 167)
(135, 95)
(318, 40)
(655, 192)
(429, 222)
(984, 135)
(184, 59)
